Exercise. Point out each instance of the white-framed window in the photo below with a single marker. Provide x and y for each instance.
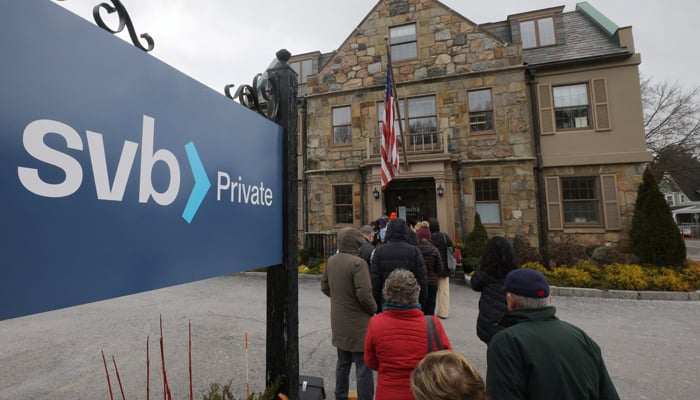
(480, 110)
(537, 32)
(571, 106)
(574, 106)
(488, 203)
(670, 200)
(580, 200)
(342, 129)
(342, 204)
(403, 41)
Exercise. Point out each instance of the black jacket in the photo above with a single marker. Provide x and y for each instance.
(492, 304)
(442, 241)
(397, 252)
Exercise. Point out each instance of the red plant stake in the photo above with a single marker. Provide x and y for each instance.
(166, 390)
(189, 334)
(148, 369)
(109, 384)
(119, 379)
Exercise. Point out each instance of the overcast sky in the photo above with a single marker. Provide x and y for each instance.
(219, 42)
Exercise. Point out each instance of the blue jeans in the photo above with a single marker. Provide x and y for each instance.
(364, 376)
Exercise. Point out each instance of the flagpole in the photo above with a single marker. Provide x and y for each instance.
(396, 105)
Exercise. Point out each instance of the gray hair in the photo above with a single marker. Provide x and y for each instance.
(401, 287)
(367, 230)
(525, 303)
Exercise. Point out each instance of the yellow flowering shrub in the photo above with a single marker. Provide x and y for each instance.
(568, 276)
(669, 279)
(625, 277)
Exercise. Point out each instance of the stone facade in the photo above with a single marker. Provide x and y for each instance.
(454, 56)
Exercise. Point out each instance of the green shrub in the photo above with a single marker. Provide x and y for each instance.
(655, 237)
(476, 241)
(625, 277)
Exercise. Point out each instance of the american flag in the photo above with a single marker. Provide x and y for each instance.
(390, 143)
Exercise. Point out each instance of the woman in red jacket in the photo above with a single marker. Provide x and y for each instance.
(397, 339)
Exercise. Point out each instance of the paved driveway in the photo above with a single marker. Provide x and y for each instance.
(651, 347)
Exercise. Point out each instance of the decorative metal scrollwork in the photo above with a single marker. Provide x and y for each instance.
(124, 20)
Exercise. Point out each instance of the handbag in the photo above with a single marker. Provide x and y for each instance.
(451, 260)
(433, 336)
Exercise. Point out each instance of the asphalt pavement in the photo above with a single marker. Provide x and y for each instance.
(651, 347)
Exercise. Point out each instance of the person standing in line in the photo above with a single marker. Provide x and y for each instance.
(397, 252)
(397, 338)
(347, 282)
(433, 265)
(447, 375)
(538, 356)
(497, 261)
(442, 241)
(367, 248)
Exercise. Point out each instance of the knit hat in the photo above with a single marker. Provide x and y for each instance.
(393, 215)
(526, 282)
(423, 233)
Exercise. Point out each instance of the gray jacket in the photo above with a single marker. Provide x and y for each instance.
(346, 281)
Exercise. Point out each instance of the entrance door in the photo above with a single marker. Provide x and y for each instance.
(413, 200)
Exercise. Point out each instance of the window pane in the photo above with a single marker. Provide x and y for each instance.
(580, 200)
(490, 213)
(545, 28)
(342, 134)
(486, 190)
(480, 110)
(571, 106)
(527, 34)
(421, 106)
(306, 67)
(342, 131)
(402, 34)
(404, 51)
(480, 100)
(572, 95)
(341, 116)
(487, 203)
(343, 204)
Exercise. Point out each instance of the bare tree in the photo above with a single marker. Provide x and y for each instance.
(671, 117)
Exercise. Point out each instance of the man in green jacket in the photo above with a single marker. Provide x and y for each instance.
(539, 356)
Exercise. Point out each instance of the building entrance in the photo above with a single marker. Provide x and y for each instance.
(413, 200)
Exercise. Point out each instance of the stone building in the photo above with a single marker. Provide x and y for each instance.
(534, 122)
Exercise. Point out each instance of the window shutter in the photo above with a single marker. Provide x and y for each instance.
(554, 209)
(600, 100)
(544, 96)
(610, 207)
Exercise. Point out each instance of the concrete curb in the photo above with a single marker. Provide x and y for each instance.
(621, 294)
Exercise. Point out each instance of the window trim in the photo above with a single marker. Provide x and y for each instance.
(348, 124)
(498, 201)
(536, 23)
(589, 108)
(336, 205)
(302, 79)
(597, 200)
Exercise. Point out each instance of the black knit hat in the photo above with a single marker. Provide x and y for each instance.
(526, 282)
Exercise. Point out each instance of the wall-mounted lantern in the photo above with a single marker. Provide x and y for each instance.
(375, 193)
(440, 190)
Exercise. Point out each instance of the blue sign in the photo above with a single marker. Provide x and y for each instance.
(118, 173)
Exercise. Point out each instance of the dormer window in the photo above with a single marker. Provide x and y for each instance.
(537, 32)
(303, 68)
